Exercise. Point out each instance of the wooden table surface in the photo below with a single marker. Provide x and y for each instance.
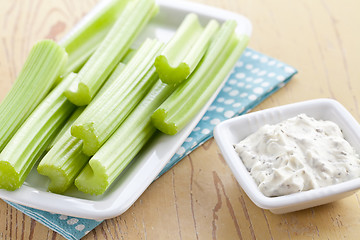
(199, 198)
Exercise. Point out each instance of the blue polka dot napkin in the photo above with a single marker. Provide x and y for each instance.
(254, 78)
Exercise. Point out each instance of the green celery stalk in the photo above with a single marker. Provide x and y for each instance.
(112, 158)
(45, 63)
(109, 109)
(66, 127)
(187, 100)
(184, 51)
(116, 72)
(128, 56)
(63, 130)
(32, 138)
(93, 74)
(108, 82)
(64, 160)
(83, 41)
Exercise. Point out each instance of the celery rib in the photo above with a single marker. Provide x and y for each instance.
(64, 160)
(116, 72)
(93, 74)
(185, 50)
(65, 128)
(32, 138)
(112, 158)
(45, 63)
(82, 42)
(193, 93)
(108, 110)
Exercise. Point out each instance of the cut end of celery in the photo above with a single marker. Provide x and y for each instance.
(159, 121)
(78, 93)
(59, 181)
(9, 177)
(92, 182)
(171, 74)
(86, 133)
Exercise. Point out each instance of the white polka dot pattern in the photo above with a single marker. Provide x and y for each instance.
(70, 227)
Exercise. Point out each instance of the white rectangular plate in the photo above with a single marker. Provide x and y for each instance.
(145, 168)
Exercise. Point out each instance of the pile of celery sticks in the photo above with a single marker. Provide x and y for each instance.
(83, 109)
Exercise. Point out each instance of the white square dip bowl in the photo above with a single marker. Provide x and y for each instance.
(234, 130)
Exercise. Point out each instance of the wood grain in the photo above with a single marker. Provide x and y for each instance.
(199, 198)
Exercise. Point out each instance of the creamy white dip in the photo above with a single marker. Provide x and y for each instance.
(298, 154)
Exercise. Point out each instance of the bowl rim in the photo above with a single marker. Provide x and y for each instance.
(221, 135)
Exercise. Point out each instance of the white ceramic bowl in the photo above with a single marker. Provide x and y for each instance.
(234, 130)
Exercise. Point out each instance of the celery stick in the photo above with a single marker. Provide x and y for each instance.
(184, 51)
(116, 72)
(116, 44)
(65, 128)
(45, 63)
(65, 159)
(60, 133)
(109, 109)
(192, 94)
(108, 82)
(83, 41)
(112, 158)
(32, 138)
(128, 56)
